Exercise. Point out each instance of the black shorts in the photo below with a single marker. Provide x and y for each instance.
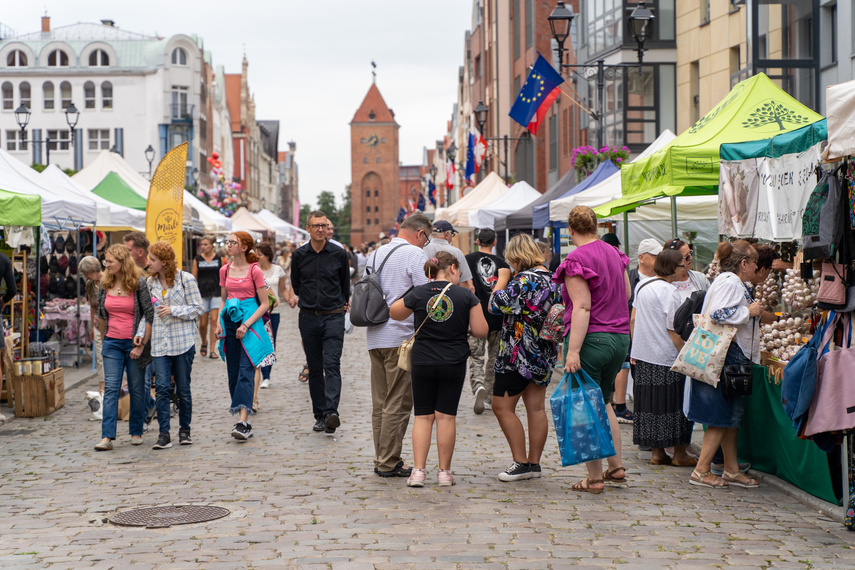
(437, 388)
(509, 384)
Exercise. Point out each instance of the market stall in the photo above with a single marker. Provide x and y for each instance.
(245, 219)
(485, 193)
(519, 196)
(540, 216)
(283, 228)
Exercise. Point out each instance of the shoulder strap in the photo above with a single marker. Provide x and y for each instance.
(646, 283)
(385, 259)
(435, 303)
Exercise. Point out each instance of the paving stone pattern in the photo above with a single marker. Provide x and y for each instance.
(309, 500)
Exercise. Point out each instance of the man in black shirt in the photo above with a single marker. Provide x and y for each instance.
(320, 279)
(485, 270)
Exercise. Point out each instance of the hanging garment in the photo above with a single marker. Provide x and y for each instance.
(833, 405)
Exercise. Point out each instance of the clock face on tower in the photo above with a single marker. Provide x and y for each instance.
(373, 141)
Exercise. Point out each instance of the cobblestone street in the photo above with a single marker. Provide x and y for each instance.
(303, 499)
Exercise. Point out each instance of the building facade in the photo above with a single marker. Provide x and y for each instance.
(289, 180)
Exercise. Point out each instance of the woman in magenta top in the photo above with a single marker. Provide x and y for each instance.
(241, 283)
(123, 301)
(596, 288)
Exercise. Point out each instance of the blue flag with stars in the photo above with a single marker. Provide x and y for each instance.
(540, 89)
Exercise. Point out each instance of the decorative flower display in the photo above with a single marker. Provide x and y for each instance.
(585, 159)
(225, 196)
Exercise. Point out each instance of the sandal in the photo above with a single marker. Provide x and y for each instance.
(584, 486)
(733, 479)
(610, 475)
(204, 350)
(664, 461)
(687, 462)
(699, 479)
(304, 375)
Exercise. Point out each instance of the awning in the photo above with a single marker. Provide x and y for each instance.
(243, 218)
(288, 231)
(519, 196)
(488, 190)
(540, 215)
(20, 209)
(114, 188)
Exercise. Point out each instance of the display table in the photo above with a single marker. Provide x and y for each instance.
(768, 440)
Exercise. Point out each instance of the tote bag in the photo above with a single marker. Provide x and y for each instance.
(702, 357)
(580, 420)
(833, 405)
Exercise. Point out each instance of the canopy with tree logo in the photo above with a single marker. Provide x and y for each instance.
(754, 109)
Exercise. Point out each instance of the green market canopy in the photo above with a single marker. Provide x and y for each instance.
(20, 209)
(116, 190)
(754, 109)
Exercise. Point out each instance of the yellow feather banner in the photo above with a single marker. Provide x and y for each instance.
(164, 213)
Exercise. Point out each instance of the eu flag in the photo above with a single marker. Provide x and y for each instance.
(432, 193)
(470, 158)
(538, 92)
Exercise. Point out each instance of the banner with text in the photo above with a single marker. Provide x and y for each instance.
(164, 213)
(766, 197)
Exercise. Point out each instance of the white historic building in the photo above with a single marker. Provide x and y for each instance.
(132, 91)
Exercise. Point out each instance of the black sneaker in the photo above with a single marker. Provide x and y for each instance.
(184, 438)
(331, 422)
(398, 471)
(163, 442)
(242, 431)
(516, 472)
(320, 425)
(535, 470)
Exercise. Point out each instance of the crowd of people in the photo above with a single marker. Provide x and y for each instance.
(477, 314)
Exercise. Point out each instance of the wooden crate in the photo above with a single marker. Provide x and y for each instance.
(37, 396)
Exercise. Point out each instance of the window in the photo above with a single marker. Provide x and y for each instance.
(99, 139)
(362, 140)
(828, 23)
(99, 58)
(89, 95)
(705, 11)
(8, 96)
(695, 91)
(376, 222)
(378, 160)
(376, 208)
(65, 93)
(365, 160)
(107, 95)
(16, 58)
(368, 209)
(57, 58)
(604, 25)
(367, 221)
(376, 192)
(179, 56)
(180, 109)
(47, 91)
(16, 141)
(553, 142)
(368, 193)
(529, 22)
(516, 16)
(59, 139)
(24, 91)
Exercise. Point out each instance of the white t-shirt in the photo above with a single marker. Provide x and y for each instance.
(272, 277)
(655, 306)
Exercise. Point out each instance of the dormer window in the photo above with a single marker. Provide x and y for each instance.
(16, 58)
(372, 115)
(99, 58)
(179, 56)
(57, 58)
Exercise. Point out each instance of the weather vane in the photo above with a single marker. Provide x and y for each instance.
(373, 73)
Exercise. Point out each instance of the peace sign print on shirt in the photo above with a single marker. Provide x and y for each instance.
(442, 311)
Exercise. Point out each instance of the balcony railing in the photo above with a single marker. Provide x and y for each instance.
(182, 112)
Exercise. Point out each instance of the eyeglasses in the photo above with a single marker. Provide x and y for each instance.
(681, 266)
(232, 242)
(318, 226)
(688, 257)
(427, 238)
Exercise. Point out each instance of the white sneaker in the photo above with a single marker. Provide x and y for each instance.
(480, 399)
(265, 383)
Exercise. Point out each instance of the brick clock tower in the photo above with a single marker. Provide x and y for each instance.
(374, 190)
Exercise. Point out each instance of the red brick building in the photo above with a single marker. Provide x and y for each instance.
(375, 174)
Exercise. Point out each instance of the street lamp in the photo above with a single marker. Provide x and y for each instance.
(560, 21)
(195, 181)
(22, 117)
(481, 118)
(149, 156)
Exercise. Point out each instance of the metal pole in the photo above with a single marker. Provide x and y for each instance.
(91, 323)
(47, 151)
(601, 102)
(674, 216)
(506, 160)
(626, 233)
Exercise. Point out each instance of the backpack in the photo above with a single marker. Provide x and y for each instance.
(683, 322)
(821, 231)
(368, 304)
(70, 287)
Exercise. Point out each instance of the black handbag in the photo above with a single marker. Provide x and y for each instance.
(736, 379)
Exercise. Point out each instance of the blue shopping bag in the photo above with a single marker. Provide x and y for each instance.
(581, 423)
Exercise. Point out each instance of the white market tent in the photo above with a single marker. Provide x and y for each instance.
(288, 231)
(108, 216)
(484, 194)
(244, 218)
(519, 196)
(107, 162)
(607, 190)
(840, 110)
(58, 207)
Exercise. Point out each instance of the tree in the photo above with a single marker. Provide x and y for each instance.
(305, 210)
(343, 226)
(326, 204)
(772, 112)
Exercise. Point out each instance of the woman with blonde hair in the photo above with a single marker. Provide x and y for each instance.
(206, 271)
(525, 361)
(244, 342)
(596, 288)
(439, 359)
(173, 340)
(90, 268)
(123, 302)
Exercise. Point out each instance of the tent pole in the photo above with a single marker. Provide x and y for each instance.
(674, 216)
(626, 233)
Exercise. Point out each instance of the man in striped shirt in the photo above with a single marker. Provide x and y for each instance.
(391, 391)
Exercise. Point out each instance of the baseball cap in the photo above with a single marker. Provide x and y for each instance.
(611, 239)
(650, 246)
(443, 226)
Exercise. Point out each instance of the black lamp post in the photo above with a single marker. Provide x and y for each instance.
(195, 181)
(149, 156)
(481, 118)
(22, 117)
(640, 21)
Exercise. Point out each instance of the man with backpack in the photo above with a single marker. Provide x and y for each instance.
(400, 266)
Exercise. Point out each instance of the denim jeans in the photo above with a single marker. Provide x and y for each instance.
(274, 324)
(323, 339)
(149, 401)
(116, 354)
(164, 368)
(240, 370)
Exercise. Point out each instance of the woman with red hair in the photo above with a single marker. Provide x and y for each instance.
(244, 342)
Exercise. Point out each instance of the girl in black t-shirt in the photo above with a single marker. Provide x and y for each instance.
(444, 314)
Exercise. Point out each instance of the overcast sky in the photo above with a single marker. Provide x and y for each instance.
(309, 63)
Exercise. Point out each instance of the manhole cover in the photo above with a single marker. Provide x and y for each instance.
(161, 517)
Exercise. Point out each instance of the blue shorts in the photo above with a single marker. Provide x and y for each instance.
(211, 304)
